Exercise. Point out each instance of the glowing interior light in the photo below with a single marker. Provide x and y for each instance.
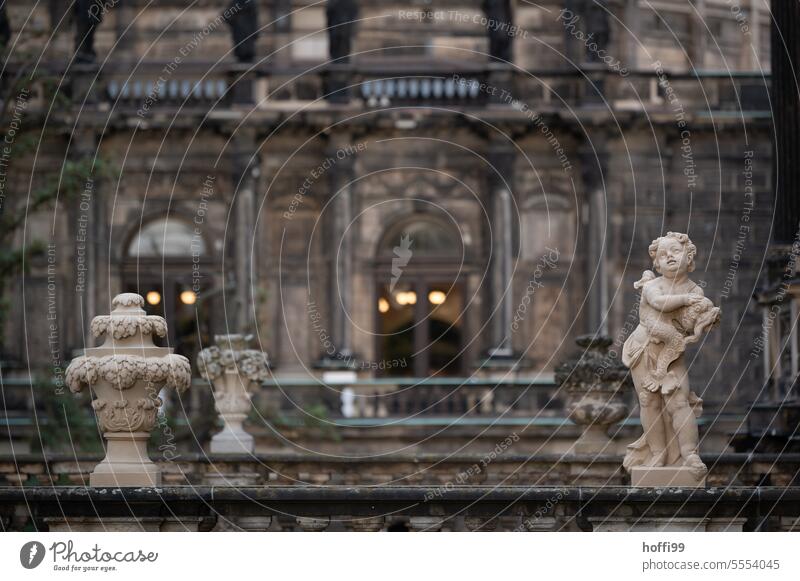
(437, 297)
(188, 297)
(383, 305)
(406, 298)
(153, 297)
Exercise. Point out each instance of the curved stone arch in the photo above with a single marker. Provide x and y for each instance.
(182, 223)
(435, 238)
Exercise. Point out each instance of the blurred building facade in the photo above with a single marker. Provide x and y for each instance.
(447, 189)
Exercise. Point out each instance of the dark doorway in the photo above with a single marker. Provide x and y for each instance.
(420, 301)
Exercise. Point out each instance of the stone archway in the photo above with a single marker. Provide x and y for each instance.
(419, 299)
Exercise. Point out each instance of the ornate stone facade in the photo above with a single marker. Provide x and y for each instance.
(223, 158)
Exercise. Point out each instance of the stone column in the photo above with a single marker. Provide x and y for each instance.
(699, 32)
(501, 207)
(243, 249)
(89, 230)
(598, 24)
(126, 30)
(594, 172)
(339, 248)
(126, 374)
(234, 372)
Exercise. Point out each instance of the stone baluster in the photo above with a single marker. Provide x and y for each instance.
(480, 524)
(126, 374)
(367, 525)
(254, 523)
(311, 524)
(430, 524)
(234, 371)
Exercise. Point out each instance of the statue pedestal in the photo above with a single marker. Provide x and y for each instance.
(680, 476)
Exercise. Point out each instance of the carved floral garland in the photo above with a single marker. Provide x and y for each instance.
(212, 362)
(124, 415)
(123, 326)
(123, 371)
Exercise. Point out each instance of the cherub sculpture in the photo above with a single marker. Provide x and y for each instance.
(673, 312)
(686, 326)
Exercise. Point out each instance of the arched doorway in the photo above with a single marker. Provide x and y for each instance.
(166, 261)
(420, 297)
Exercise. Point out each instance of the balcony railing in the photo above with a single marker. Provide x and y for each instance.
(197, 86)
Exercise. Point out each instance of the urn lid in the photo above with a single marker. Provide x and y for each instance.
(128, 329)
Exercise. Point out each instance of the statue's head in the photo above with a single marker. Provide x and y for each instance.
(673, 254)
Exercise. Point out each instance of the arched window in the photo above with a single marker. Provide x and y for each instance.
(167, 261)
(166, 237)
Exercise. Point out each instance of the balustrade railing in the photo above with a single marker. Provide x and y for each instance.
(153, 85)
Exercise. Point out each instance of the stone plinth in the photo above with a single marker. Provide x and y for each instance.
(679, 476)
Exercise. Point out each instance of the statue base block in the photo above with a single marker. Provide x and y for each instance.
(657, 477)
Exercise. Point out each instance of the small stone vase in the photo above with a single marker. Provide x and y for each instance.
(595, 381)
(234, 371)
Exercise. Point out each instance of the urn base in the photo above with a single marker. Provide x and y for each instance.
(232, 440)
(126, 463)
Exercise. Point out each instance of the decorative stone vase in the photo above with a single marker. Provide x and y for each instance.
(233, 370)
(125, 375)
(594, 380)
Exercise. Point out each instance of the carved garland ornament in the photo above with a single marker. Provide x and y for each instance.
(123, 371)
(124, 415)
(212, 362)
(121, 327)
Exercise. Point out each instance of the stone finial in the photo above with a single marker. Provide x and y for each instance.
(126, 374)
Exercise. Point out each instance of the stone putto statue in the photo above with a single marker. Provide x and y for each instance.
(242, 17)
(341, 15)
(498, 15)
(88, 16)
(673, 313)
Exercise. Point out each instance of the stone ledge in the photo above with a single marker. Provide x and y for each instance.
(570, 508)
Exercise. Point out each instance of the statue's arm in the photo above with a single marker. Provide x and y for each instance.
(662, 301)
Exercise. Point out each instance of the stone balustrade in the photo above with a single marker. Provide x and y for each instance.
(391, 508)
(201, 85)
(437, 470)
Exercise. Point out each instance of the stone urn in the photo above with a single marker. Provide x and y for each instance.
(595, 381)
(126, 374)
(234, 371)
